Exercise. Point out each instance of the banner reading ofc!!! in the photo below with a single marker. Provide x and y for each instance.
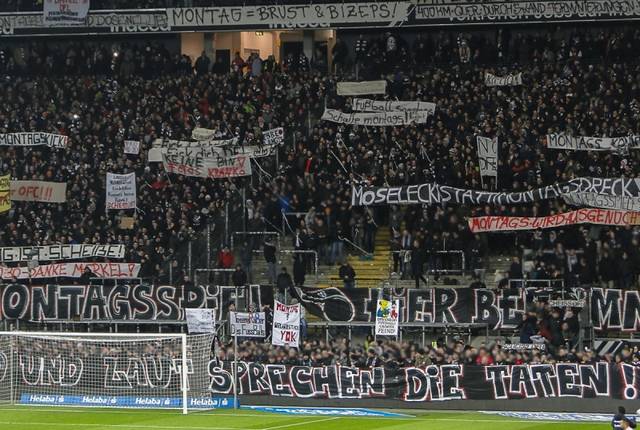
(586, 143)
(65, 12)
(488, 156)
(34, 139)
(581, 216)
(361, 88)
(214, 168)
(375, 119)
(492, 80)
(387, 312)
(39, 191)
(5, 192)
(16, 254)
(72, 270)
(286, 324)
(248, 324)
(121, 191)
(368, 105)
(432, 193)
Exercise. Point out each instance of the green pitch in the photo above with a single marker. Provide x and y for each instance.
(29, 418)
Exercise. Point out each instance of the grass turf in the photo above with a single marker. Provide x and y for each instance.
(30, 418)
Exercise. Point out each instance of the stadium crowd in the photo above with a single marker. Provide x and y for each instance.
(580, 81)
(392, 354)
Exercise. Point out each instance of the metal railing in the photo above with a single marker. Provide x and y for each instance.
(303, 252)
(286, 224)
(253, 233)
(358, 248)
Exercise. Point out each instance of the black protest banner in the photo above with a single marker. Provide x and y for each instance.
(143, 302)
(431, 383)
(432, 193)
(615, 310)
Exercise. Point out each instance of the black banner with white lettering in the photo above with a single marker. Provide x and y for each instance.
(432, 383)
(432, 193)
(611, 309)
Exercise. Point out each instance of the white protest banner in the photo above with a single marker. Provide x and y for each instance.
(595, 200)
(39, 191)
(361, 88)
(488, 156)
(491, 80)
(72, 270)
(586, 143)
(387, 316)
(247, 324)
(375, 119)
(200, 320)
(580, 216)
(200, 133)
(159, 145)
(65, 12)
(368, 105)
(199, 156)
(275, 136)
(286, 324)
(131, 147)
(15, 254)
(311, 15)
(219, 167)
(121, 191)
(34, 138)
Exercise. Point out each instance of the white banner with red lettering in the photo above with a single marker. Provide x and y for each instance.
(286, 324)
(72, 270)
(580, 216)
(65, 12)
(219, 167)
(39, 191)
(121, 191)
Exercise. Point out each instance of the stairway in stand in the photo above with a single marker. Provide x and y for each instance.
(370, 272)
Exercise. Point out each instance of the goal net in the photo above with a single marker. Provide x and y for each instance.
(107, 370)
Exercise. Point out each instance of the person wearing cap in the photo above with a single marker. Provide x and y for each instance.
(620, 420)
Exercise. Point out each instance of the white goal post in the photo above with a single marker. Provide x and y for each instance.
(128, 370)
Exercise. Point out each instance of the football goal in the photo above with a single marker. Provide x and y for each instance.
(129, 370)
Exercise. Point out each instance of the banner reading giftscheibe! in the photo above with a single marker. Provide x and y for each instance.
(432, 193)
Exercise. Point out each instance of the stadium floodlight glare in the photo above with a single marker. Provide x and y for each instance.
(129, 370)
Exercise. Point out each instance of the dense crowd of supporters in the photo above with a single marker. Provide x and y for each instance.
(583, 82)
(392, 354)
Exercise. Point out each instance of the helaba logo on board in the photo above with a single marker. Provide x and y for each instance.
(152, 401)
(98, 400)
(40, 398)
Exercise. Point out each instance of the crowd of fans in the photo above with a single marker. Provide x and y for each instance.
(393, 354)
(582, 82)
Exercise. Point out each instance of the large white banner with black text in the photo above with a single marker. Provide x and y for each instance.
(15, 254)
(375, 118)
(586, 143)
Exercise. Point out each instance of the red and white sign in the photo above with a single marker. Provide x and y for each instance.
(38, 191)
(121, 191)
(219, 167)
(72, 270)
(580, 216)
(286, 324)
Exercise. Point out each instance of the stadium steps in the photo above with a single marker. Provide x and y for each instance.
(496, 265)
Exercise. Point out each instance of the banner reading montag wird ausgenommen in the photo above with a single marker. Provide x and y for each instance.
(611, 309)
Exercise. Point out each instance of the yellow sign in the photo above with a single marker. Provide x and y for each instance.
(5, 200)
